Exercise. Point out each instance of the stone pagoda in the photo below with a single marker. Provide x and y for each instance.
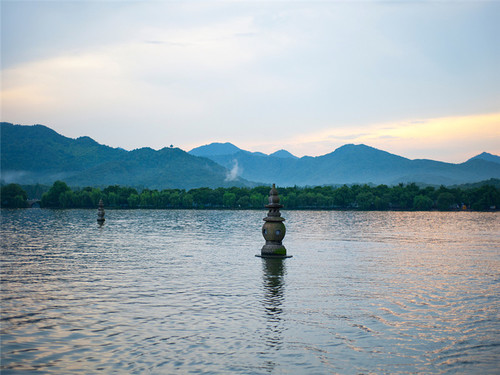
(273, 229)
(100, 213)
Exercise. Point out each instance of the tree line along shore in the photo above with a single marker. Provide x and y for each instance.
(410, 197)
(485, 197)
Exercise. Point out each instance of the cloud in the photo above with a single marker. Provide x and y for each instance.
(196, 77)
(134, 74)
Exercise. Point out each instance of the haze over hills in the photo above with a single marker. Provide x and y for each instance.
(37, 154)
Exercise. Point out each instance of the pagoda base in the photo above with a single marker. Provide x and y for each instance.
(273, 250)
(273, 256)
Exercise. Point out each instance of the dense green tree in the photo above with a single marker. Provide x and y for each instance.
(262, 190)
(243, 202)
(365, 200)
(343, 197)
(67, 199)
(289, 200)
(229, 200)
(445, 201)
(133, 200)
(487, 197)
(112, 189)
(112, 199)
(117, 196)
(187, 200)
(175, 199)
(96, 196)
(124, 193)
(301, 199)
(202, 197)
(164, 199)
(322, 201)
(381, 203)
(51, 198)
(258, 200)
(422, 203)
(13, 196)
(217, 196)
(156, 198)
(85, 199)
(146, 199)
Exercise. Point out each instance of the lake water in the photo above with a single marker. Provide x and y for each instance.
(164, 291)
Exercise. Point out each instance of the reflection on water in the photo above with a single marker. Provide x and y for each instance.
(273, 272)
(181, 291)
(273, 279)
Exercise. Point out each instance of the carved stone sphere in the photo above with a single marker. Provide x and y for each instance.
(274, 231)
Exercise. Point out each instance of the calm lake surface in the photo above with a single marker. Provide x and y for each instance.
(173, 291)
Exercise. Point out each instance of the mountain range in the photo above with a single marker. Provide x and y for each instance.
(38, 154)
(348, 164)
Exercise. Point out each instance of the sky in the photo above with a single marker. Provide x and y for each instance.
(420, 79)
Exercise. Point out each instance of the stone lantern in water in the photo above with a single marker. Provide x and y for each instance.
(100, 213)
(273, 229)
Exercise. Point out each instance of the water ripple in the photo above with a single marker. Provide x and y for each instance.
(181, 291)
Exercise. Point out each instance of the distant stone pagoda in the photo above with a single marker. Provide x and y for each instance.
(100, 213)
(274, 229)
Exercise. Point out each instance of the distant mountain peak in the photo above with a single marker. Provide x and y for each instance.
(352, 146)
(487, 156)
(86, 140)
(214, 149)
(144, 150)
(284, 154)
(360, 150)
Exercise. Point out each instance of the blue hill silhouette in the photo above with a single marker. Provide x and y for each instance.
(38, 154)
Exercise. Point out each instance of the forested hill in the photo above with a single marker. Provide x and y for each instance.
(37, 154)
